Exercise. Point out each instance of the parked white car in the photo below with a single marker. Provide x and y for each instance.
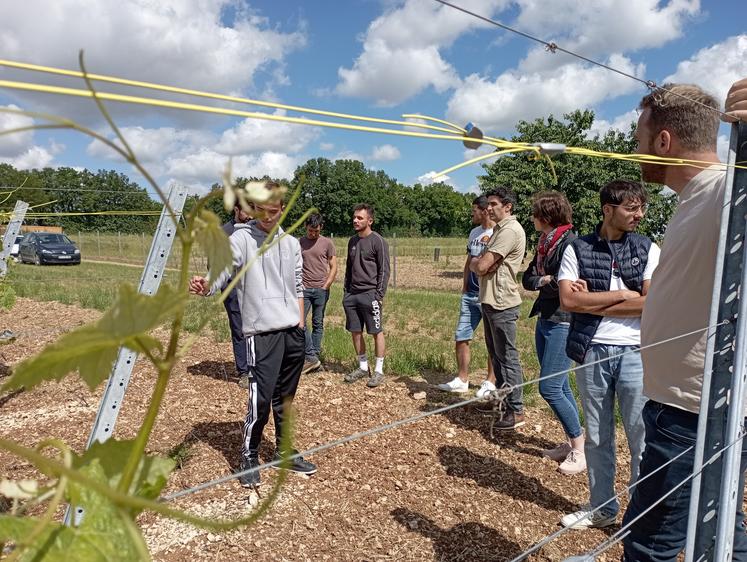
(14, 249)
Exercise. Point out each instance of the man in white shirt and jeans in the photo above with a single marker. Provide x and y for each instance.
(603, 281)
(470, 313)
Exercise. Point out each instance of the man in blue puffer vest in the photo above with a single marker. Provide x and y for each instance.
(603, 281)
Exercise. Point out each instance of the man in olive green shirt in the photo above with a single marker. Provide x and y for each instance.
(497, 269)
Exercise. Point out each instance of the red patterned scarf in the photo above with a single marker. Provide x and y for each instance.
(547, 243)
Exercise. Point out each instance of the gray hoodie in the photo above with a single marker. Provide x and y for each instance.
(269, 291)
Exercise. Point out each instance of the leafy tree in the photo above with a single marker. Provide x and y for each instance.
(578, 177)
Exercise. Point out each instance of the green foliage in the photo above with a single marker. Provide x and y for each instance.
(91, 350)
(7, 295)
(336, 187)
(579, 178)
(152, 471)
(67, 190)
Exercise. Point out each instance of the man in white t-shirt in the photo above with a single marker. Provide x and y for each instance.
(679, 121)
(470, 313)
(603, 281)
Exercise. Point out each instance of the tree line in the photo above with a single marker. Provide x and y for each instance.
(335, 186)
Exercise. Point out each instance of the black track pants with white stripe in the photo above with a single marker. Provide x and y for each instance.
(275, 363)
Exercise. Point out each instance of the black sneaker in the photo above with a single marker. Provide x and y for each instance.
(299, 465)
(250, 480)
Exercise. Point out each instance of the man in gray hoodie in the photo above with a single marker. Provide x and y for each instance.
(270, 295)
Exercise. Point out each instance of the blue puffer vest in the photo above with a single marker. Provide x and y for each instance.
(595, 267)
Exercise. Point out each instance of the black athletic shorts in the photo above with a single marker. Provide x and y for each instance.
(363, 309)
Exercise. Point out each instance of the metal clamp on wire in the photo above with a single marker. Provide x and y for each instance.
(497, 400)
(550, 148)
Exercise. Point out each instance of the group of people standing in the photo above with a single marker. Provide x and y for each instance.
(604, 299)
(591, 294)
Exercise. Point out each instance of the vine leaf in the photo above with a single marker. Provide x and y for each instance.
(214, 242)
(91, 350)
(102, 535)
(152, 471)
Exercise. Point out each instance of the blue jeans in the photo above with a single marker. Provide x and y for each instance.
(549, 339)
(597, 385)
(316, 300)
(660, 534)
(470, 315)
(231, 304)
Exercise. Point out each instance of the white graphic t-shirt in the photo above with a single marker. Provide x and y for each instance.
(478, 240)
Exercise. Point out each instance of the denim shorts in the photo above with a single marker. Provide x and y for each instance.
(470, 315)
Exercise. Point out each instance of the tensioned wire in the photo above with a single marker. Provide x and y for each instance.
(556, 534)
(552, 47)
(412, 419)
(623, 531)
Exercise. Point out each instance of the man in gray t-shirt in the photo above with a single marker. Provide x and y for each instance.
(366, 278)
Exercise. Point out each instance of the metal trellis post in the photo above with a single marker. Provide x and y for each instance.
(710, 531)
(19, 212)
(150, 280)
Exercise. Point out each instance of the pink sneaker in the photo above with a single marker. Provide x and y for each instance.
(558, 454)
(574, 463)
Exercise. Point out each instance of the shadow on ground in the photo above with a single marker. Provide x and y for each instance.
(227, 438)
(470, 418)
(221, 370)
(465, 541)
(495, 474)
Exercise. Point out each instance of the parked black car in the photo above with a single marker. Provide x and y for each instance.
(48, 247)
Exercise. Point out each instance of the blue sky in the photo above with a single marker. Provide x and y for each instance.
(379, 58)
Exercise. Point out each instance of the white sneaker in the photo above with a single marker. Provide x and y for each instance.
(457, 386)
(574, 463)
(485, 388)
(559, 453)
(585, 518)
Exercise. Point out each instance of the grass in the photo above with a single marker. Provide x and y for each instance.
(134, 248)
(419, 324)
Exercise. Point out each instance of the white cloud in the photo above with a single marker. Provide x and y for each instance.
(385, 152)
(176, 42)
(349, 155)
(18, 149)
(13, 144)
(402, 51)
(201, 169)
(34, 157)
(715, 68)
(722, 148)
(257, 135)
(326, 146)
(620, 123)
(433, 177)
(153, 146)
(595, 29)
(197, 158)
(498, 104)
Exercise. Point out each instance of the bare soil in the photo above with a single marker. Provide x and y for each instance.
(436, 489)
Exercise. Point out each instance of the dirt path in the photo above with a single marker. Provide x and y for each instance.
(437, 489)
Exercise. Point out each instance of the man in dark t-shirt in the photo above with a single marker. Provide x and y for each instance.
(366, 278)
(319, 272)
